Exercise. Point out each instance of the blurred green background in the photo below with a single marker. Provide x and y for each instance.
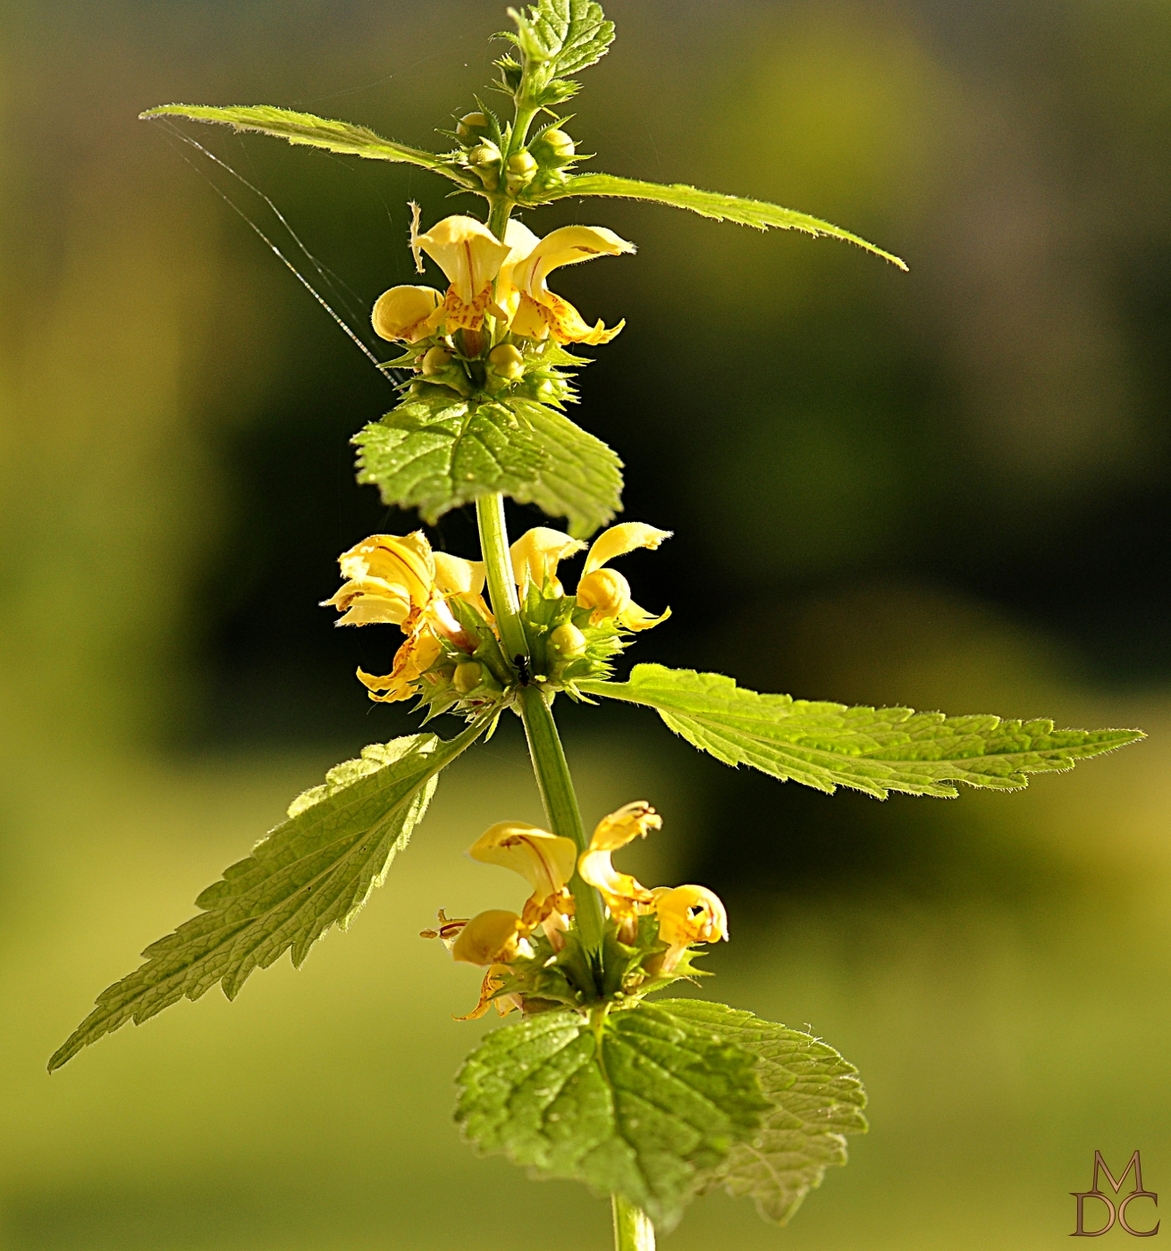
(949, 489)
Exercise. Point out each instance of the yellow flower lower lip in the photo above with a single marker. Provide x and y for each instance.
(539, 313)
(605, 591)
(420, 651)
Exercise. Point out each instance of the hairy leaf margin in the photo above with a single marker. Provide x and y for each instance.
(714, 204)
(874, 750)
(313, 871)
(309, 130)
(817, 1099)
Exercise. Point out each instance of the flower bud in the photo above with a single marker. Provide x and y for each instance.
(467, 677)
(554, 146)
(521, 168)
(436, 360)
(506, 361)
(567, 642)
(402, 313)
(472, 127)
(605, 591)
(487, 938)
(522, 164)
(549, 180)
(485, 153)
(485, 159)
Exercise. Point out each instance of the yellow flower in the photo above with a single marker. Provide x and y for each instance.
(492, 938)
(622, 894)
(544, 860)
(521, 242)
(405, 312)
(489, 938)
(490, 989)
(536, 555)
(420, 651)
(688, 915)
(387, 578)
(399, 580)
(535, 311)
(605, 591)
(462, 578)
(471, 256)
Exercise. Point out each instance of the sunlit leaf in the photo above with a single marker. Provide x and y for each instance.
(876, 750)
(643, 1108)
(313, 871)
(724, 208)
(580, 478)
(311, 131)
(566, 36)
(817, 1099)
(436, 452)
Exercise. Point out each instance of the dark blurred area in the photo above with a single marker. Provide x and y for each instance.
(947, 489)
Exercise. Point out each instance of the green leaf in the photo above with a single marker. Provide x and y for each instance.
(311, 131)
(563, 36)
(817, 1099)
(661, 1101)
(437, 451)
(724, 208)
(876, 750)
(581, 477)
(313, 871)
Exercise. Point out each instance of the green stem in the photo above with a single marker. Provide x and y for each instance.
(633, 1230)
(560, 800)
(498, 567)
(548, 756)
(498, 217)
(503, 205)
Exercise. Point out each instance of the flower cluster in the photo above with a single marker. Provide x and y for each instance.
(532, 958)
(452, 655)
(574, 635)
(497, 329)
(539, 167)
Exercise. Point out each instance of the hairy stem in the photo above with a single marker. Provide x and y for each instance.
(560, 800)
(548, 756)
(633, 1230)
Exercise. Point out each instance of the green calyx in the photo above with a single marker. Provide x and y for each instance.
(563, 976)
(490, 365)
(473, 677)
(565, 647)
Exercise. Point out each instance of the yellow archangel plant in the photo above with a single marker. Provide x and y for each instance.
(596, 1077)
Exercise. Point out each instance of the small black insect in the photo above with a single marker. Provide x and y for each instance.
(522, 667)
